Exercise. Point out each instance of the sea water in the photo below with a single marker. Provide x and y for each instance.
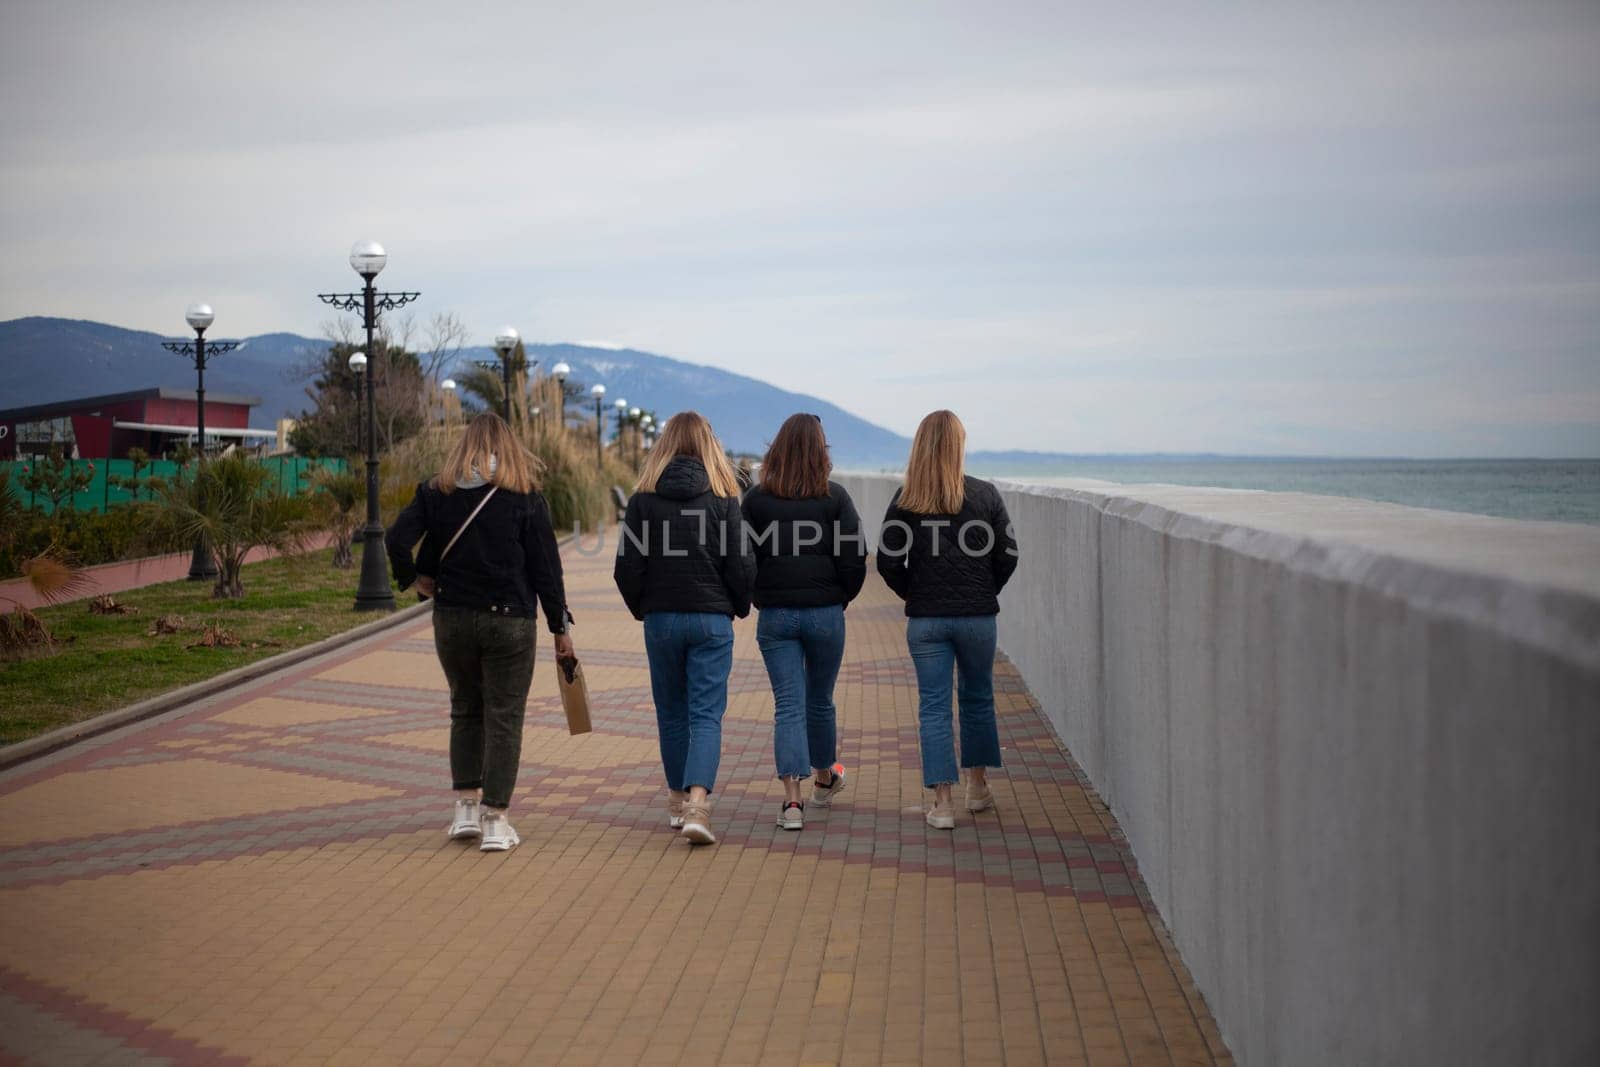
(1550, 490)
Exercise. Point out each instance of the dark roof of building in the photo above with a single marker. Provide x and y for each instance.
(161, 392)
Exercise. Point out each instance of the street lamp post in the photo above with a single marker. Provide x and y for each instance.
(505, 342)
(449, 399)
(199, 317)
(367, 258)
(559, 372)
(622, 414)
(358, 366)
(598, 391)
(633, 420)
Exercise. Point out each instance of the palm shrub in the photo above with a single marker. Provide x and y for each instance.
(236, 506)
(339, 497)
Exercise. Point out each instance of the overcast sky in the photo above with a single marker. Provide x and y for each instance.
(1285, 229)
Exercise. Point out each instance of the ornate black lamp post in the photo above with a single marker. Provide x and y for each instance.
(367, 258)
(202, 567)
(598, 391)
(505, 343)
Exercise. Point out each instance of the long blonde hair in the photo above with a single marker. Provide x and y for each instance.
(689, 434)
(935, 473)
(489, 443)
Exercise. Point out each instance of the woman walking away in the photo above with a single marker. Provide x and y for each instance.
(947, 549)
(810, 563)
(683, 568)
(487, 550)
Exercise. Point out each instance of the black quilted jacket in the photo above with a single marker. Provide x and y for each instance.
(953, 566)
(506, 558)
(683, 549)
(809, 553)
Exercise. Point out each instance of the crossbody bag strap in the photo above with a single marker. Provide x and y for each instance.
(492, 491)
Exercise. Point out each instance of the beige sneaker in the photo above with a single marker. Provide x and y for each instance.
(942, 817)
(979, 796)
(676, 799)
(822, 795)
(697, 823)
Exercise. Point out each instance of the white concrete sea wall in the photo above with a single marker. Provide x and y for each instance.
(1355, 748)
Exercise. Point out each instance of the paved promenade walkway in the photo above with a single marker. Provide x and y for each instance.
(265, 878)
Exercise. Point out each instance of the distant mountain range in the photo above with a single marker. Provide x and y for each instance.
(48, 359)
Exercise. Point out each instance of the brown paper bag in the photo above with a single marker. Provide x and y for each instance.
(574, 694)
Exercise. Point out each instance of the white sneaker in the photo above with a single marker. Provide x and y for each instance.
(498, 836)
(793, 816)
(676, 799)
(941, 817)
(467, 821)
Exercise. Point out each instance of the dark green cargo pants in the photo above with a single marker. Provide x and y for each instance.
(488, 661)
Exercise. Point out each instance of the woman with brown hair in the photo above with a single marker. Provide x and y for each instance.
(947, 549)
(488, 550)
(810, 563)
(684, 569)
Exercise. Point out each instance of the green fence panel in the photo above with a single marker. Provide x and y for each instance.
(294, 473)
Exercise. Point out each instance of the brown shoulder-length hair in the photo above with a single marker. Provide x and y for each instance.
(688, 433)
(935, 473)
(489, 448)
(797, 464)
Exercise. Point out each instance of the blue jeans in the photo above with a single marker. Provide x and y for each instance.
(802, 647)
(965, 644)
(690, 654)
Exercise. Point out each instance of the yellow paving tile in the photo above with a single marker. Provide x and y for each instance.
(161, 794)
(411, 670)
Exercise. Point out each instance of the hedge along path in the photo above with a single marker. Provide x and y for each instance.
(309, 906)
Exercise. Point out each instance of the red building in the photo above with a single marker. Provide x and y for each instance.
(101, 427)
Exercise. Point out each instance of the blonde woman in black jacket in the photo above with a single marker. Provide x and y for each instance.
(504, 557)
(684, 569)
(947, 549)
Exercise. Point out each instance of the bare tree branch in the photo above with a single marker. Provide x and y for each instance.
(442, 342)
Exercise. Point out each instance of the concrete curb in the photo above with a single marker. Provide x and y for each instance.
(55, 740)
